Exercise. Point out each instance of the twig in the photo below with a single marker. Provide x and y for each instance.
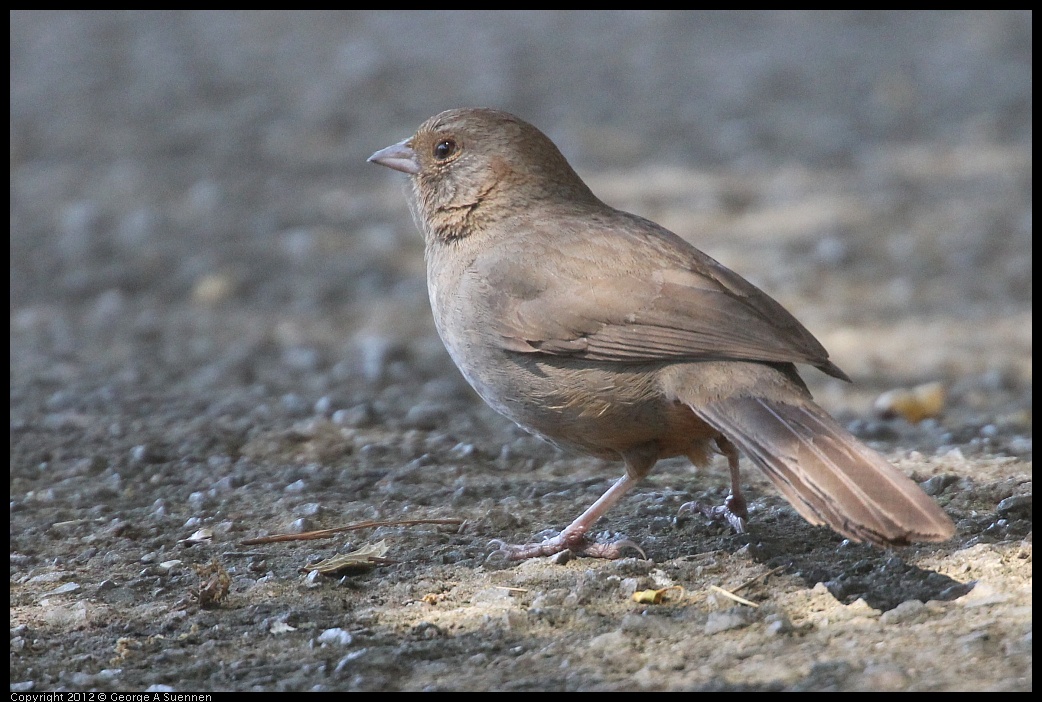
(731, 595)
(325, 533)
(761, 576)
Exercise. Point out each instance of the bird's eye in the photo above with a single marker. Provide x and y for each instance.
(444, 149)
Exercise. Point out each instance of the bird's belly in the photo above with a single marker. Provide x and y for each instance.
(600, 409)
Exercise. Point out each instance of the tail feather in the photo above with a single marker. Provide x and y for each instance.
(826, 473)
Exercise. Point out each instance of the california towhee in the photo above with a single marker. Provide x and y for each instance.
(600, 331)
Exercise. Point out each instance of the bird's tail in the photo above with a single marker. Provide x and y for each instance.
(826, 473)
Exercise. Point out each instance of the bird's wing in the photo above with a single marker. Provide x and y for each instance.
(674, 304)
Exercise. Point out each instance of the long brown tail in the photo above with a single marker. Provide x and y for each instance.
(827, 474)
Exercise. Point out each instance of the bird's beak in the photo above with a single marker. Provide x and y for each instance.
(399, 156)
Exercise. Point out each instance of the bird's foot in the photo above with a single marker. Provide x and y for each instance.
(575, 541)
(733, 511)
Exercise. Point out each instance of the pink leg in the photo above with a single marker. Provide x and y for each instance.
(638, 464)
(734, 511)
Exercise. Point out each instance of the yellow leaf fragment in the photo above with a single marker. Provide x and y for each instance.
(912, 404)
(656, 596)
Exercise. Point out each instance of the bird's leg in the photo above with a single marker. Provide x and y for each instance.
(734, 510)
(638, 463)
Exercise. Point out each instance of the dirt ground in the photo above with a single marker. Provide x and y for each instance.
(219, 330)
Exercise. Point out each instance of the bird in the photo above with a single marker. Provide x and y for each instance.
(607, 334)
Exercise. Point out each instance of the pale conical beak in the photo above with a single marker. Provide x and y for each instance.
(399, 156)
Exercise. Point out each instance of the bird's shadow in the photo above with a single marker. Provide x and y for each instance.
(850, 571)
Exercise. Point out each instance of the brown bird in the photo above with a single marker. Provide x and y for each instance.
(603, 332)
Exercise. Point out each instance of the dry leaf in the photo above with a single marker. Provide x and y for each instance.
(200, 536)
(359, 561)
(217, 584)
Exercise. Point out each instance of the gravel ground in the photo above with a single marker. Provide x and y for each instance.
(219, 330)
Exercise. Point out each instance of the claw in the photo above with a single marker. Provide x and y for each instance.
(612, 550)
(732, 511)
(737, 523)
(501, 552)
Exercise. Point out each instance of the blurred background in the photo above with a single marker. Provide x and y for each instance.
(191, 207)
(219, 315)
